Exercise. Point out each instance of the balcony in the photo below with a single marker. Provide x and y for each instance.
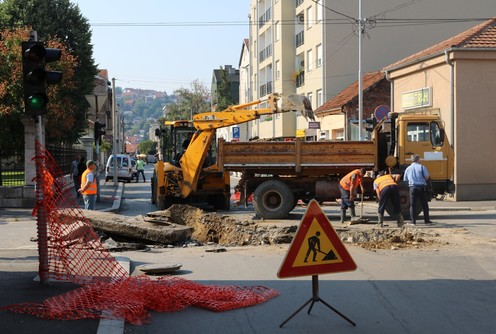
(300, 39)
(265, 53)
(264, 18)
(266, 89)
(300, 79)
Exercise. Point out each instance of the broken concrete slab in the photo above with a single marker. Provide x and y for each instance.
(138, 228)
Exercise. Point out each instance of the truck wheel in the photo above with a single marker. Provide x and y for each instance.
(273, 199)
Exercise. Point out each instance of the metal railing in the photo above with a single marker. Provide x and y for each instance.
(11, 167)
(300, 79)
(300, 39)
(266, 89)
(64, 156)
(12, 163)
(265, 53)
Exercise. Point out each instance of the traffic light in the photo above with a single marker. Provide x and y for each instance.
(99, 131)
(35, 77)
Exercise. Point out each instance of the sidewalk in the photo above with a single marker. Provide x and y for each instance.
(19, 267)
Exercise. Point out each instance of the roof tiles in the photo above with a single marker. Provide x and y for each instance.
(480, 36)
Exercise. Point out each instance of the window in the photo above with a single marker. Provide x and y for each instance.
(319, 98)
(278, 70)
(278, 30)
(310, 98)
(319, 55)
(319, 10)
(418, 132)
(309, 17)
(437, 135)
(310, 60)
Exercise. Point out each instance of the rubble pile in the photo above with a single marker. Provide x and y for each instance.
(389, 238)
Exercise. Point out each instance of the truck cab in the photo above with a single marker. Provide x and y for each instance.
(424, 135)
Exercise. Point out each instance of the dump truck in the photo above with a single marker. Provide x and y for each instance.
(280, 173)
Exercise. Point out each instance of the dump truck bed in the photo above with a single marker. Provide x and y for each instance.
(296, 157)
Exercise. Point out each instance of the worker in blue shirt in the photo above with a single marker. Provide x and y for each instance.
(417, 176)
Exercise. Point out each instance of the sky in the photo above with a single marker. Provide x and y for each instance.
(183, 41)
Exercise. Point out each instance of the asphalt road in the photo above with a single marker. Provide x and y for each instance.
(449, 287)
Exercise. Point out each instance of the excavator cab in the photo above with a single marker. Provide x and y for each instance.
(175, 137)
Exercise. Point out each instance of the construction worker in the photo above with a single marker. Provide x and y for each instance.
(348, 188)
(387, 189)
(88, 185)
(417, 177)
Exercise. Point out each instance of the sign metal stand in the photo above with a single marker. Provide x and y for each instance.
(315, 298)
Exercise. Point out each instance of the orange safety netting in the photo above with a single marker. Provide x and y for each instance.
(75, 254)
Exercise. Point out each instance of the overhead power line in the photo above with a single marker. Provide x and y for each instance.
(378, 21)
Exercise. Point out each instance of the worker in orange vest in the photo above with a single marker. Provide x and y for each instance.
(387, 189)
(348, 188)
(88, 185)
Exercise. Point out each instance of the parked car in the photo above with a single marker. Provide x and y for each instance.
(124, 168)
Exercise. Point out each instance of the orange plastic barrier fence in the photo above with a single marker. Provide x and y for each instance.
(76, 254)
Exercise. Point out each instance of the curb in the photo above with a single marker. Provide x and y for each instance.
(487, 208)
(114, 325)
(117, 199)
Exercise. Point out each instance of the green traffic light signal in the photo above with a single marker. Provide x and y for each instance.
(36, 78)
(37, 102)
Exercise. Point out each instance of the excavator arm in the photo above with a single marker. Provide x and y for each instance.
(207, 123)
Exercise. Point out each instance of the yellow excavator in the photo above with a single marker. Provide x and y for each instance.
(188, 172)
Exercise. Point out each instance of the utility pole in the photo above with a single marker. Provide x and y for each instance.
(360, 79)
(114, 132)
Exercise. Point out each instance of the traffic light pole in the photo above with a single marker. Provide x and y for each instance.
(41, 219)
(114, 132)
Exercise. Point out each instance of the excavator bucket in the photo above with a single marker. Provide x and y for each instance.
(299, 103)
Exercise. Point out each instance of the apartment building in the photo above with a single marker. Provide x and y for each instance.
(286, 51)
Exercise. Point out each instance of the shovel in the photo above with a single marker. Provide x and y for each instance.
(360, 220)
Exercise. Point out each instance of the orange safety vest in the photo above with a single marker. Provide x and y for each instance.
(384, 181)
(346, 181)
(91, 190)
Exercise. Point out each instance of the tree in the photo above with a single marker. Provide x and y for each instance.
(61, 116)
(60, 20)
(223, 98)
(147, 147)
(188, 102)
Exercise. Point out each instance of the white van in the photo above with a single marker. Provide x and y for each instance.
(124, 168)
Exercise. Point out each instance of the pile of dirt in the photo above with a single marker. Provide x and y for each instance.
(390, 238)
(228, 231)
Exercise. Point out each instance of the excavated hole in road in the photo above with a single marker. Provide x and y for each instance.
(228, 231)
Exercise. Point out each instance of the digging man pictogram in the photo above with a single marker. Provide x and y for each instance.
(312, 242)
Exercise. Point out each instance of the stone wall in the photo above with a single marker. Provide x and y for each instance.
(24, 196)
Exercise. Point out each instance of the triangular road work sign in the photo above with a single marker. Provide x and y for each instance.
(316, 248)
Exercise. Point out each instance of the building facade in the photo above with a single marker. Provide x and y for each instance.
(455, 80)
(311, 48)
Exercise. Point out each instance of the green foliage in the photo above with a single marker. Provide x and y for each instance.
(223, 98)
(188, 102)
(147, 147)
(62, 20)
